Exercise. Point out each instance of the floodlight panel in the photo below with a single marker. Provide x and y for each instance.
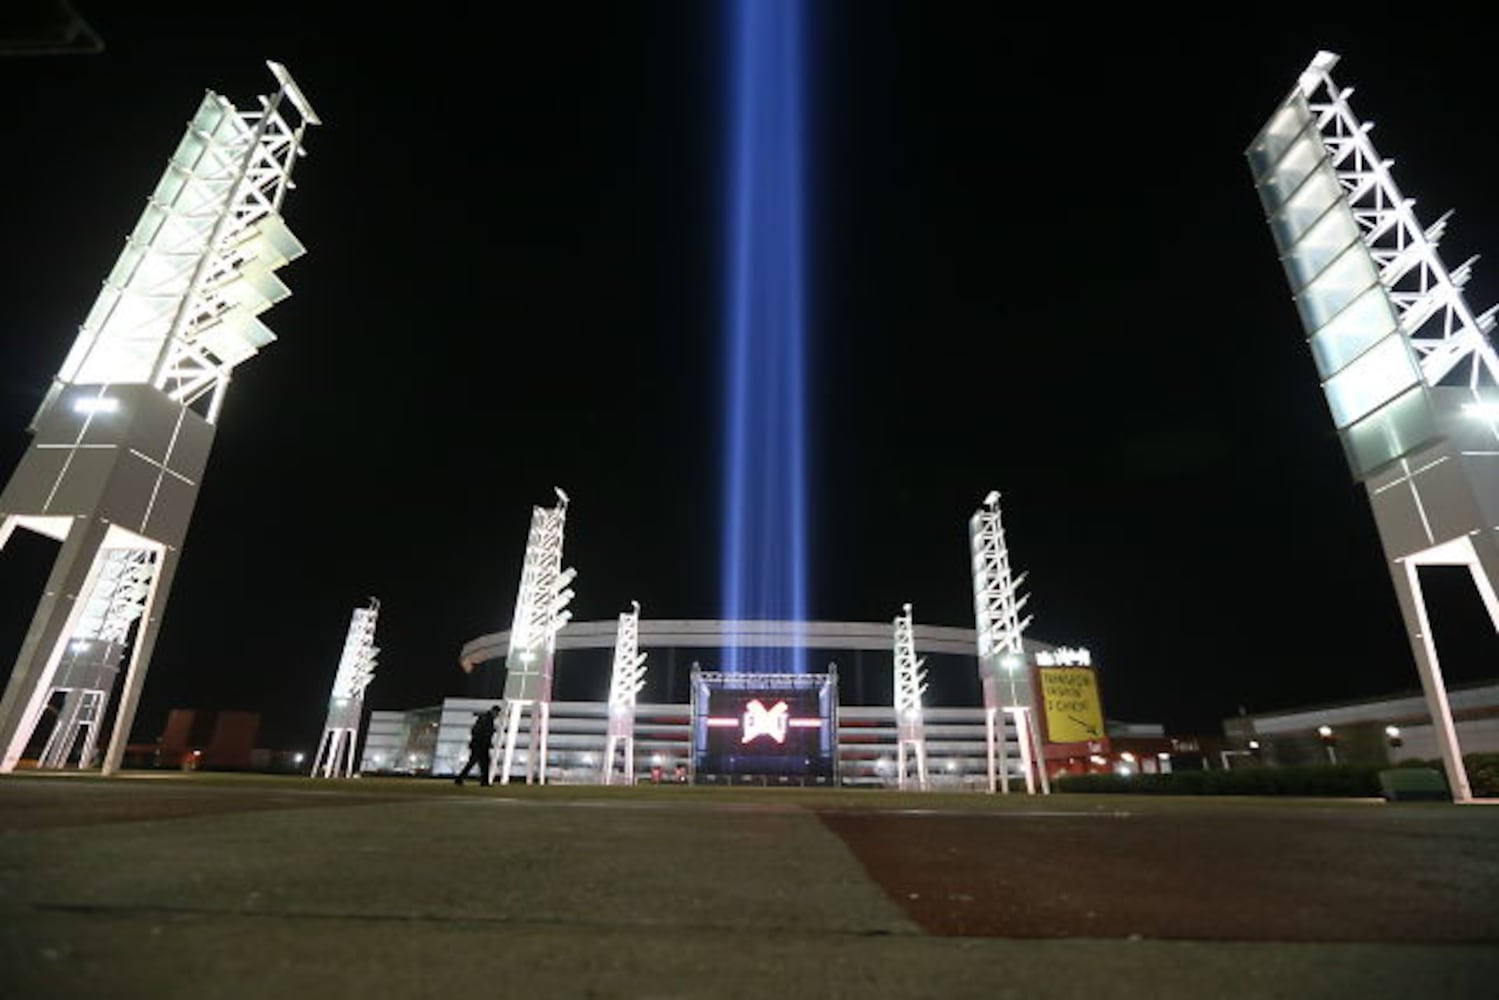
(192, 144)
(1292, 172)
(1362, 323)
(138, 271)
(153, 216)
(1397, 428)
(117, 360)
(1384, 371)
(170, 186)
(1336, 286)
(1323, 242)
(235, 339)
(272, 241)
(1305, 206)
(256, 288)
(1279, 132)
(1298, 161)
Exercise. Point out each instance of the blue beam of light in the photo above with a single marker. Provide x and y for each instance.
(764, 515)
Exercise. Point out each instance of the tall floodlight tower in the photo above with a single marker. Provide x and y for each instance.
(910, 685)
(122, 437)
(997, 604)
(356, 668)
(624, 684)
(1407, 367)
(540, 613)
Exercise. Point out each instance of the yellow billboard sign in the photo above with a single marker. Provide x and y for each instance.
(1073, 711)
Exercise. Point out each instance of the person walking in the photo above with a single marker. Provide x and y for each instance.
(480, 745)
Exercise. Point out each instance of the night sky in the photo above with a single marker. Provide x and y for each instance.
(1037, 265)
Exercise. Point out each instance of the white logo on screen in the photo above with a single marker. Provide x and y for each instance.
(762, 721)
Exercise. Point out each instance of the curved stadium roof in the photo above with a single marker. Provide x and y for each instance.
(712, 632)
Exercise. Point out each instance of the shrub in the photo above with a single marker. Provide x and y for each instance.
(1323, 780)
(1482, 768)
(1483, 774)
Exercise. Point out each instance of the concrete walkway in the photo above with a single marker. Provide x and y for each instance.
(236, 886)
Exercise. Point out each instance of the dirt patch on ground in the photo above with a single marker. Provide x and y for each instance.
(37, 805)
(1343, 875)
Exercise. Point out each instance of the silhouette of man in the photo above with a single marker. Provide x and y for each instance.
(480, 745)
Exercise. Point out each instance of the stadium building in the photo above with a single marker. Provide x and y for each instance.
(1385, 730)
(859, 658)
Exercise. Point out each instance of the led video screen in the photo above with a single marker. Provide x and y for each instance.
(764, 729)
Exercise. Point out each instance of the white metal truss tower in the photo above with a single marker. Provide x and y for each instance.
(1407, 367)
(121, 440)
(624, 684)
(356, 668)
(540, 613)
(910, 685)
(1000, 630)
(90, 664)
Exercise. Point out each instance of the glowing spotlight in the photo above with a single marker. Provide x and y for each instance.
(96, 404)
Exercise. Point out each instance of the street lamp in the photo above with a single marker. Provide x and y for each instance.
(1330, 741)
(1392, 736)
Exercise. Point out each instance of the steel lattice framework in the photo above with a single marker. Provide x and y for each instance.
(540, 613)
(1000, 631)
(1449, 339)
(122, 437)
(997, 600)
(179, 310)
(1406, 365)
(910, 685)
(85, 679)
(625, 684)
(356, 668)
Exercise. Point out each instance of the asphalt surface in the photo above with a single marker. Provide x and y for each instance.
(235, 886)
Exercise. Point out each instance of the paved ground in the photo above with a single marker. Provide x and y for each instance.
(233, 886)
